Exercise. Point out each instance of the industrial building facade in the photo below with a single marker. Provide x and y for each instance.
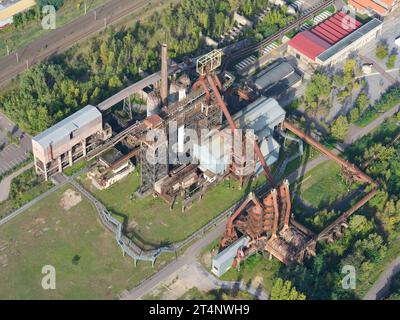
(9, 8)
(332, 40)
(67, 141)
(380, 7)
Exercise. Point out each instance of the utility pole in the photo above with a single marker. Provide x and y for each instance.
(95, 15)
(105, 23)
(85, 8)
(16, 56)
(27, 64)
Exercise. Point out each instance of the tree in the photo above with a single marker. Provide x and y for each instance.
(317, 89)
(340, 128)
(362, 102)
(56, 3)
(283, 290)
(391, 61)
(381, 51)
(354, 115)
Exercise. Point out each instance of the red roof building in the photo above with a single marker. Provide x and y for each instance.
(382, 7)
(311, 43)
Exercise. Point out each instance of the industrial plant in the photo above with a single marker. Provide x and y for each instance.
(177, 101)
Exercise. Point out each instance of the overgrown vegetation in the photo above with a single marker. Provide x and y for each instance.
(24, 188)
(86, 74)
(387, 101)
(369, 241)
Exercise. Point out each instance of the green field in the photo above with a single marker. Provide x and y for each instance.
(322, 186)
(24, 188)
(150, 219)
(47, 234)
(255, 267)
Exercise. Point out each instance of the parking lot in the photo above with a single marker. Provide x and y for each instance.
(376, 84)
(10, 154)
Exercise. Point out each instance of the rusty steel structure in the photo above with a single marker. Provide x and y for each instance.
(269, 225)
(267, 220)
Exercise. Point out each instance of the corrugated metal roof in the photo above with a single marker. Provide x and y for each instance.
(273, 74)
(357, 34)
(314, 42)
(259, 114)
(64, 128)
(309, 44)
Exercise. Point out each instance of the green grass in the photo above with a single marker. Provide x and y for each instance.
(150, 219)
(391, 254)
(255, 266)
(76, 167)
(387, 101)
(47, 234)
(24, 188)
(308, 155)
(322, 186)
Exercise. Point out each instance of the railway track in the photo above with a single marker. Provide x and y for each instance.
(75, 38)
(311, 12)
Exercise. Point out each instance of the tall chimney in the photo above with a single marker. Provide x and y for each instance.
(164, 75)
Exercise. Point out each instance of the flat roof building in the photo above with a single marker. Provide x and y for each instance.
(278, 77)
(9, 8)
(380, 7)
(333, 39)
(66, 141)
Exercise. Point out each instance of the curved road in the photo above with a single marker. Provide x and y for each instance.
(62, 38)
(5, 183)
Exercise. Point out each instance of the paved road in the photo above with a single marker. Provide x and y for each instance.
(381, 287)
(188, 257)
(62, 38)
(5, 183)
(355, 133)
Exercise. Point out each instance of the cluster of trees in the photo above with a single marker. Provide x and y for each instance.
(22, 18)
(50, 91)
(372, 231)
(284, 290)
(249, 8)
(321, 219)
(382, 52)
(321, 278)
(387, 101)
(275, 19)
(24, 188)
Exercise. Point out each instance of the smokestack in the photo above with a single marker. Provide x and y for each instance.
(288, 203)
(164, 75)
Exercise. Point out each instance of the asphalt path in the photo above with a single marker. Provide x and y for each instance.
(5, 183)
